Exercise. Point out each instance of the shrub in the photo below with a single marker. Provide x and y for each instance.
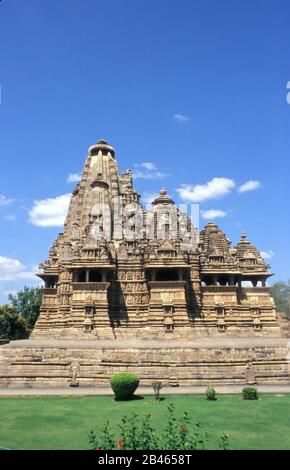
(124, 385)
(250, 393)
(224, 442)
(210, 393)
(137, 433)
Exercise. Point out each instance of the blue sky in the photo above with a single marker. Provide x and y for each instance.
(196, 88)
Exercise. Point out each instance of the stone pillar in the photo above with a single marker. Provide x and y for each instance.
(180, 274)
(264, 282)
(153, 275)
(104, 276)
(254, 282)
(215, 280)
(87, 275)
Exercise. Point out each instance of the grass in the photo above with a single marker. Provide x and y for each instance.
(50, 422)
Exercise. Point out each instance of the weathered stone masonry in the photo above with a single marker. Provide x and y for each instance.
(104, 281)
(145, 292)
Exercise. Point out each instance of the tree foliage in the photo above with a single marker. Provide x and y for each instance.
(12, 325)
(280, 291)
(27, 304)
(18, 319)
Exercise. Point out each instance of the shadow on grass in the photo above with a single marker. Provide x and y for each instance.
(133, 398)
(139, 397)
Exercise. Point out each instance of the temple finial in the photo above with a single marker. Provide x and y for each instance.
(244, 237)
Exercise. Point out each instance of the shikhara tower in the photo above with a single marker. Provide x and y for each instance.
(119, 271)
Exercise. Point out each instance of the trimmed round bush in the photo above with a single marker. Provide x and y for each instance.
(250, 393)
(124, 385)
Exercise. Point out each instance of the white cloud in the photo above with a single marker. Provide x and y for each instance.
(147, 170)
(10, 217)
(267, 254)
(139, 174)
(148, 166)
(213, 214)
(181, 118)
(5, 201)
(50, 212)
(288, 94)
(12, 270)
(215, 188)
(148, 197)
(73, 178)
(250, 186)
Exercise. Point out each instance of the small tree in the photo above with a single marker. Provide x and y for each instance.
(27, 304)
(12, 325)
(280, 292)
(157, 387)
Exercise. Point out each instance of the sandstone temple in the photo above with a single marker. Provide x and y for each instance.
(143, 290)
(120, 271)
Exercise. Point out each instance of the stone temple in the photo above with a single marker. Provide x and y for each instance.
(143, 290)
(107, 277)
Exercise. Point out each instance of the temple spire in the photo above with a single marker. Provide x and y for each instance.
(103, 147)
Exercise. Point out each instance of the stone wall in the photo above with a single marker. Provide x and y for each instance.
(49, 363)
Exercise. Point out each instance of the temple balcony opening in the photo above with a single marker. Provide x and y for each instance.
(219, 280)
(166, 274)
(91, 275)
(50, 281)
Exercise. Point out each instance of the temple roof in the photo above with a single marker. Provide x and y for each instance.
(213, 241)
(245, 249)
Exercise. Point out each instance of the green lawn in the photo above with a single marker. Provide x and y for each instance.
(64, 422)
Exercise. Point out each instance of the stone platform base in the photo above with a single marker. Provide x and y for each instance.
(63, 363)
